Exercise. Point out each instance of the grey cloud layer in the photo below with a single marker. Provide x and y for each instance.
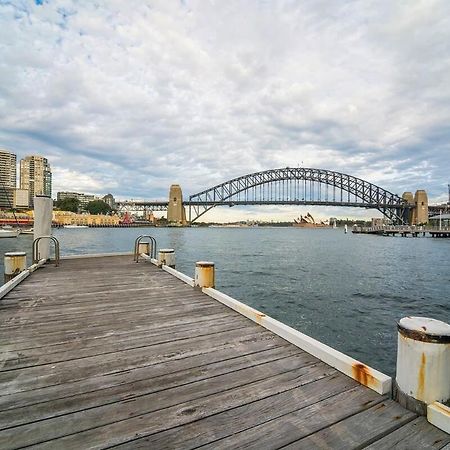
(132, 96)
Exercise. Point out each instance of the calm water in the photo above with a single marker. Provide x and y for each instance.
(348, 291)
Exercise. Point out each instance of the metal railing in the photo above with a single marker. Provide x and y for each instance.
(152, 242)
(36, 255)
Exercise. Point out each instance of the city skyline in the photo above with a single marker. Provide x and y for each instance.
(130, 99)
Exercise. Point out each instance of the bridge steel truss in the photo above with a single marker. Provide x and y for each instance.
(299, 186)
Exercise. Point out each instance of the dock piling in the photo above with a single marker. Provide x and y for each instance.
(423, 363)
(166, 257)
(14, 263)
(204, 274)
(43, 212)
(144, 247)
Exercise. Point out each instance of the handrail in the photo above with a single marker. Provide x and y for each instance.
(138, 241)
(36, 255)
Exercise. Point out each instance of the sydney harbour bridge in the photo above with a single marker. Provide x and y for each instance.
(289, 186)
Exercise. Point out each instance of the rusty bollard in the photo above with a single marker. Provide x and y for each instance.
(166, 257)
(15, 262)
(423, 363)
(204, 274)
(144, 247)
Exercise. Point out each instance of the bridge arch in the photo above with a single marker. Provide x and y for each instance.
(299, 186)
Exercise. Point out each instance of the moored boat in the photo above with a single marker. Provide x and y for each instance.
(9, 233)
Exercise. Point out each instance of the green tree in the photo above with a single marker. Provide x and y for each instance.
(68, 204)
(98, 207)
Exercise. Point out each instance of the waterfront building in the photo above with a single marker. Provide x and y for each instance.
(7, 169)
(84, 199)
(35, 176)
(62, 218)
(7, 178)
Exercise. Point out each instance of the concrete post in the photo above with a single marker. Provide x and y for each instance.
(166, 256)
(423, 363)
(144, 247)
(204, 274)
(43, 213)
(15, 262)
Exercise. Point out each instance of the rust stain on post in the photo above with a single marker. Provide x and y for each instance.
(361, 373)
(421, 381)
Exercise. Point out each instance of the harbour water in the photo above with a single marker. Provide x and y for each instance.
(345, 290)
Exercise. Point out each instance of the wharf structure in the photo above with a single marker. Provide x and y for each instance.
(134, 356)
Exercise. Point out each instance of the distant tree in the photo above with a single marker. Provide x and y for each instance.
(98, 207)
(68, 204)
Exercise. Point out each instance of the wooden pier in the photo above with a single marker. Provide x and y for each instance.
(104, 352)
(403, 231)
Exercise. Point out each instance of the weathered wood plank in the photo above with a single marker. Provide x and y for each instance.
(151, 383)
(418, 434)
(37, 377)
(213, 428)
(29, 358)
(108, 333)
(293, 426)
(179, 414)
(359, 430)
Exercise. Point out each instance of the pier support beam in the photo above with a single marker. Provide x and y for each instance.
(43, 213)
(423, 363)
(204, 274)
(15, 263)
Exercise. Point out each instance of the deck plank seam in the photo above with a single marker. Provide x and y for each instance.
(131, 398)
(201, 397)
(370, 441)
(171, 372)
(126, 369)
(124, 350)
(245, 404)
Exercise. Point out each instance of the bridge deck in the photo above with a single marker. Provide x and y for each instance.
(104, 352)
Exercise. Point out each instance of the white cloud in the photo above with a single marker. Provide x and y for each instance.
(132, 96)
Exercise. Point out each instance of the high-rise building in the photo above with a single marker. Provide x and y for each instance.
(7, 169)
(36, 176)
(7, 178)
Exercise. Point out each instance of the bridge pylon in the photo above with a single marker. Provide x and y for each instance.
(176, 214)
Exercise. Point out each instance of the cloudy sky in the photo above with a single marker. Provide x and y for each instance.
(130, 96)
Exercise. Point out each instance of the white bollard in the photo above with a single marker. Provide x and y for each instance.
(15, 262)
(204, 274)
(144, 247)
(166, 256)
(43, 213)
(423, 363)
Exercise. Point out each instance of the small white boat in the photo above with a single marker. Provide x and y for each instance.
(9, 233)
(29, 231)
(76, 226)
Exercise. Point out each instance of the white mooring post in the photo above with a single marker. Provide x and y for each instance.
(144, 247)
(166, 257)
(204, 274)
(15, 263)
(423, 363)
(43, 213)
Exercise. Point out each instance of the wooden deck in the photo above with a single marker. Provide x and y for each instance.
(104, 352)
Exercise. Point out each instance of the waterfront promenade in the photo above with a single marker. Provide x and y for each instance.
(103, 352)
